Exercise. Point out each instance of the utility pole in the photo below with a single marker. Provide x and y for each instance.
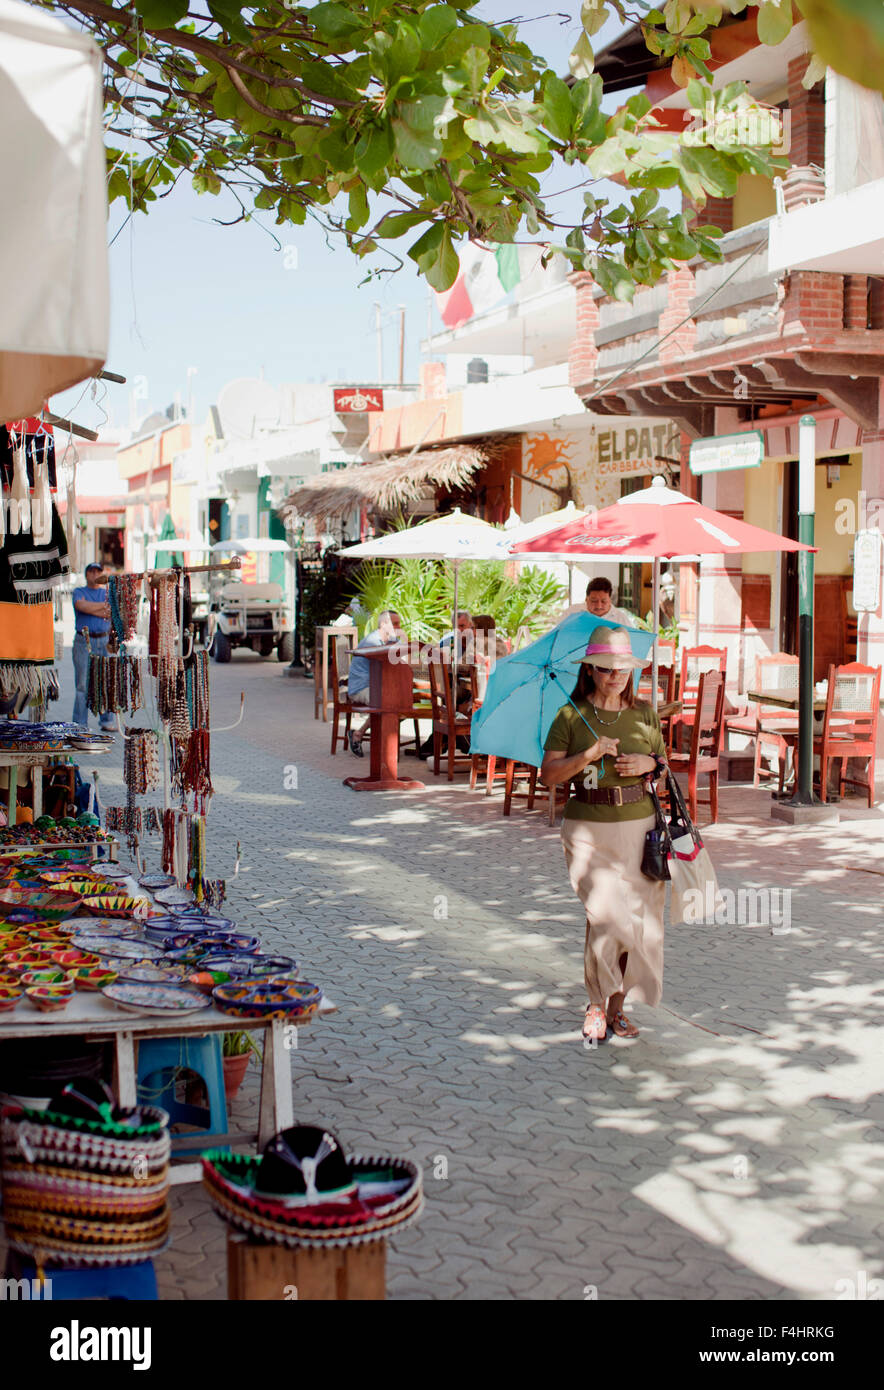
(378, 322)
(401, 344)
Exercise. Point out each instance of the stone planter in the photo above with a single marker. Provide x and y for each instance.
(803, 184)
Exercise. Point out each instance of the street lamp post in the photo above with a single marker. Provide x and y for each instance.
(806, 507)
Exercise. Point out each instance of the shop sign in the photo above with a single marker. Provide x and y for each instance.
(867, 571)
(631, 449)
(357, 400)
(727, 451)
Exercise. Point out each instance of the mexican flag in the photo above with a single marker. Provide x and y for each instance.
(485, 277)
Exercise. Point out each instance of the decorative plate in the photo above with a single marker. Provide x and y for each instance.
(173, 897)
(154, 881)
(119, 947)
(102, 926)
(148, 974)
(154, 999)
(115, 905)
(110, 870)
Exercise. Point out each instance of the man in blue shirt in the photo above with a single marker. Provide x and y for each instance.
(92, 625)
(388, 630)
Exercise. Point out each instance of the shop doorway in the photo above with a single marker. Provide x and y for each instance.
(110, 547)
(830, 591)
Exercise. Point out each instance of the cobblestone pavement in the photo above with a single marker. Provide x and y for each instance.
(733, 1151)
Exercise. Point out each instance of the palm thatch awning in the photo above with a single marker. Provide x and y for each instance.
(387, 486)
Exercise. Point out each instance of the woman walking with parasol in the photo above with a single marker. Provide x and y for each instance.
(610, 747)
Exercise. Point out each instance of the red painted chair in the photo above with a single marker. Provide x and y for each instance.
(769, 726)
(695, 661)
(850, 725)
(706, 732)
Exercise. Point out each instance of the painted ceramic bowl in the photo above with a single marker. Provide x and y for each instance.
(247, 966)
(50, 904)
(75, 959)
(49, 998)
(10, 995)
(14, 941)
(150, 973)
(47, 977)
(94, 977)
(51, 938)
(276, 997)
(28, 959)
(115, 905)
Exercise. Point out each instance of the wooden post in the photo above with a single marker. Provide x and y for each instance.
(275, 1273)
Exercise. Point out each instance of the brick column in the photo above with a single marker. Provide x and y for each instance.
(814, 302)
(583, 355)
(680, 292)
(856, 301)
(807, 111)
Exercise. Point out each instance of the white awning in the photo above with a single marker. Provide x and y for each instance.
(53, 235)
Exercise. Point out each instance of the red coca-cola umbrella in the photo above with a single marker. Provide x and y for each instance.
(655, 524)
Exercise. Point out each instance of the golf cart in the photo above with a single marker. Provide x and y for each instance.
(249, 615)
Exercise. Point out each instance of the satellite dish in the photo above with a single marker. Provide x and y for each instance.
(247, 406)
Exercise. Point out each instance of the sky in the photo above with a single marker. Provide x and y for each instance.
(188, 293)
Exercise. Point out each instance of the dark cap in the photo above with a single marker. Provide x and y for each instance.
(93, 566)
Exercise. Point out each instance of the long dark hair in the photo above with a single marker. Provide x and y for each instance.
(585, 687)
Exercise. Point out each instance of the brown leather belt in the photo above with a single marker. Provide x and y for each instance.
(609, 796)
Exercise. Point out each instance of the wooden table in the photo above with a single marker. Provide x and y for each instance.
(786, 699)
(324, 635)
(391, 697)
(92, 1017)
(36, 760)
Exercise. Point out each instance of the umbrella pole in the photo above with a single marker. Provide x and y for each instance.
(454, 638)
(655, 629)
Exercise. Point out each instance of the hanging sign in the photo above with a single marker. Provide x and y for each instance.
(867, 571)
(727, 451)
(356, 400)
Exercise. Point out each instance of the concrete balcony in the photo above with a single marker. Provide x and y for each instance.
(843, 234)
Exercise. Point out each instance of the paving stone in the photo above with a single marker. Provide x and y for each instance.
(459, 1036)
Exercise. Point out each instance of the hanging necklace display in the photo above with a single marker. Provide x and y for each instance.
(124, 596)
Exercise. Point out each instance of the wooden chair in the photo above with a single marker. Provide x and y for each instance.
(769, 725)
(850, 725)
(447, 722)
(706, 732)
(695, 661)
(666, 674)
(339, 655)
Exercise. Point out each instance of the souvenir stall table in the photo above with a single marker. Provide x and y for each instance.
(35, 747)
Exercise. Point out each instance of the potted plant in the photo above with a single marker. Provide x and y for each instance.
(236, 1050)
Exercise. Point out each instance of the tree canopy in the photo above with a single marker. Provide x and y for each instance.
(416, 125)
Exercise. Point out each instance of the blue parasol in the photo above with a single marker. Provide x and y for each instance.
(527, 689)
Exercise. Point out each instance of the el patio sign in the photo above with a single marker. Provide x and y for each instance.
(727, 451)
(357, 400)
(867, 571)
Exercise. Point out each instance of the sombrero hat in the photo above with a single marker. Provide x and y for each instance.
(611, 649)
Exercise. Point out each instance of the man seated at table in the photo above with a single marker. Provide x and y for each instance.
(599, 602)
(387, 632)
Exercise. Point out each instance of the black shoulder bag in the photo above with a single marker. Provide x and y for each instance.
(655, 857)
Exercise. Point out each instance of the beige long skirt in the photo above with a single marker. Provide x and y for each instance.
(624, 910)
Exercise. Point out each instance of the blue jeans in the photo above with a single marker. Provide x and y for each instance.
(96, 646)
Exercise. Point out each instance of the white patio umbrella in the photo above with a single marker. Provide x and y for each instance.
(259, 545)
(455, 537)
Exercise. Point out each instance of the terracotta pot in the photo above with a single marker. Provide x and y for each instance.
(235, 1069)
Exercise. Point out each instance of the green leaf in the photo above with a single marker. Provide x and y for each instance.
(593, 16)
(615, 279)
(638, 105)
(558, 111)
(644, 203)
(396, 224)
(774, 22)
(405, 53)
(334, 20)
(374, 151)
(358, 203)
(436, 257)
(267, 198)
(582, 59)
(475, 64)
(416, 130)
(436, 24)
(228, 14)
(161, 14)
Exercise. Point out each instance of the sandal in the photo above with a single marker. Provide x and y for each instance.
(595, 1025)
(621, 1026)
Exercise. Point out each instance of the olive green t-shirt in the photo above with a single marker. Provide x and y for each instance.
(638, 730)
